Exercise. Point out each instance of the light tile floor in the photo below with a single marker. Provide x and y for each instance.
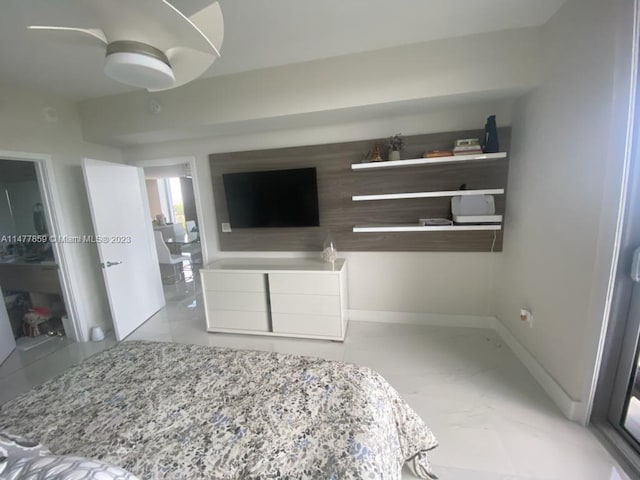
(492, 420)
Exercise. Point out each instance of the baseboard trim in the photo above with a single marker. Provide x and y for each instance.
(572, 409)
(427, 319)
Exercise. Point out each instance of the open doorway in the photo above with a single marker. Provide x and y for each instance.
(34, 305)
(174, 216)
(171, 199)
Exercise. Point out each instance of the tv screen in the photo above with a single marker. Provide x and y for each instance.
(276, 198)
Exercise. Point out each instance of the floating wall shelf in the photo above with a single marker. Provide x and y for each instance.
(427, 161)
(420, 228)
(448, 193)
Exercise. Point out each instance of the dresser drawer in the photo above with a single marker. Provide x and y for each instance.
(313, 325)
(233, 282)
(304, 283)
(237, 320)
(311, 304)
(243, 301)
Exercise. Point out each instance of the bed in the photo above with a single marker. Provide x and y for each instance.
(174, 411)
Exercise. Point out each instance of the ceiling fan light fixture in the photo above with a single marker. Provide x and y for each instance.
(138, 64)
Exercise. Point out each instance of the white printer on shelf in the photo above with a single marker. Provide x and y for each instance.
(473, 209)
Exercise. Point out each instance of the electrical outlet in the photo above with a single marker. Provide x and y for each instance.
(226, 227)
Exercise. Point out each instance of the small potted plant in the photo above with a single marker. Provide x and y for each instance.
(394, 145)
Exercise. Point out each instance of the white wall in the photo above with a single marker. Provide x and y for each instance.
(412, 77)
(564, 188)
(427, 282)
(23, 128)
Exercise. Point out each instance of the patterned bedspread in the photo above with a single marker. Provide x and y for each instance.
(187, 412)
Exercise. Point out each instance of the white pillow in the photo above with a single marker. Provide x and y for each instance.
(13, 447)
(55, 467)
(23, 459)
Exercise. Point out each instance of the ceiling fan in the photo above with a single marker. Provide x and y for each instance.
(150, 43)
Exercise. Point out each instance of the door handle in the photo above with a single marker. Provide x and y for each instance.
(635, 266)
(110, 264)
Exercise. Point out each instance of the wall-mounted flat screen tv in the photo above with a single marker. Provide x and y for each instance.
(275, 198)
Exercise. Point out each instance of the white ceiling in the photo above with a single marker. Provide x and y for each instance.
(258, 34)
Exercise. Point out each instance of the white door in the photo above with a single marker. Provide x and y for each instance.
(124, 235)
(7, 342)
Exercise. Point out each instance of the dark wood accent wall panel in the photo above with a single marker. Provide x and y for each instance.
(337, 183)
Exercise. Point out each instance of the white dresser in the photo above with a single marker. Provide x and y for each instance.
(276, 296)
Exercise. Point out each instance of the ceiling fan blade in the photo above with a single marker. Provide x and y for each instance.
(153, 22)
(210, 22)
(93, 32)
(149, 28)
(187, 64)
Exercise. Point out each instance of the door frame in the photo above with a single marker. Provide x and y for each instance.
(52, 211)
(191, 161)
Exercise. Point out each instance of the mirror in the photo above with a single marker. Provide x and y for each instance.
(21, 208)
